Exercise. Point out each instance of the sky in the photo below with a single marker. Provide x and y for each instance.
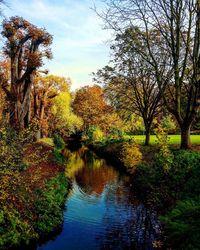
(80, 44)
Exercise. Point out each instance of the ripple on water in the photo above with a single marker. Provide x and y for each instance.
(103, 213)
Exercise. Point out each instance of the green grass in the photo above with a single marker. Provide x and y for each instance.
(173, 139)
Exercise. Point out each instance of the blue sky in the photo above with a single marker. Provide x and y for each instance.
(79, 44)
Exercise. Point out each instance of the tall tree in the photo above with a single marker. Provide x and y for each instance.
(26, 46)
(167, 36)
(4, 83)
(45, 88)
(130, 84)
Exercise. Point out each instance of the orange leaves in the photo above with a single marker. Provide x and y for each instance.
(90, 105)
(22, 35)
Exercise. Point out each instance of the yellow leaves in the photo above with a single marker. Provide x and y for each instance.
(131, 155)
(63, 117)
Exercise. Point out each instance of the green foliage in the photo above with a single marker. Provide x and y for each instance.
(58, 142)
(178, 189)
(58, 157)
(164, 158)
(26, 213)
(59, 146)
(95, 134)
(186, 172)
(182, 225)
(131, 155)
(48, 206)
(168, 123)
(115, 133)
(14, 228)
(134, 124)
(63, 119)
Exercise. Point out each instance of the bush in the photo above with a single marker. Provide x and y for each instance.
(58, 142)
(178, 191)
(182, 225)
(185, 173)
(58, 157)
(95, 134)
(131, 155)
(116, 133)
(48, 206)
(165, 157)
(28, 213)
(59, 145)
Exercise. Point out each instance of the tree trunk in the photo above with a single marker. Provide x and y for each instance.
(185, 137)
(147, 135)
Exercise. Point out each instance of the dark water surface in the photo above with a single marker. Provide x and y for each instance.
(101, 210)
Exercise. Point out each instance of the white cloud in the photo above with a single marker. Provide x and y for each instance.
(78, 46)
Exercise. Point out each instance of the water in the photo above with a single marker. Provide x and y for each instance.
(102, 211)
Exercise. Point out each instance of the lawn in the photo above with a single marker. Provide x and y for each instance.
(173, 139)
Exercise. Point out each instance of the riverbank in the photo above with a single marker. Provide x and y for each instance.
(168, 180)
(112, 153)
(32, 200)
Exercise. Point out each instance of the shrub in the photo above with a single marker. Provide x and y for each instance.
(165, 157)
(95, 134)
(116, 133)
(185, 173)
(182, 225)
(48, 206)
(58, 157)
(131, 155)
(58, 142)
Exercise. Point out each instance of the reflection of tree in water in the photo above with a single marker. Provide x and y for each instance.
(91, 173)
(128, 224)
(79, 159)
(91, 160)
(74, 163)
(93, 181)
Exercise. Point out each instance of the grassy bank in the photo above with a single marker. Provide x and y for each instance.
(31, 197)
(172, 139)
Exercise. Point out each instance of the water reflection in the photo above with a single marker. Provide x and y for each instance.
(102, 212)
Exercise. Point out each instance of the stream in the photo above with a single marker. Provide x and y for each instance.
(101, 210)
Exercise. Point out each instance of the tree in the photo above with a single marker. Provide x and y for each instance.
(26, 46)
(45, 88)
(130, 84)
(63, 120)
(167, 36)
(90, 105)
(4, 83)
